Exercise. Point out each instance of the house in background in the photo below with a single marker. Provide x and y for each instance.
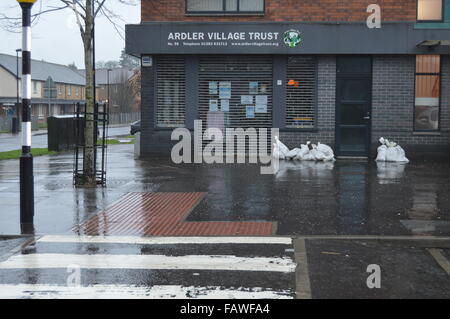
(67, 87)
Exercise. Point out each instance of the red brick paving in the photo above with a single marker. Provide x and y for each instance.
(163, 214)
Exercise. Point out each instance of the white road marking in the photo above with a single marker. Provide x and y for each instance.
(136, 292)
(164, 240)
(302, 273)
(440, 259)
(209, 262)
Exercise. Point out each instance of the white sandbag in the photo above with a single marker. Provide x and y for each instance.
(390, 152)
(309, 156)
(303, 151)
(396, 154)
(329, 158)
(381, 153)
(276, 153)
(327, 152)
(292, 153)
(325, 149)
(282, 148)
(318, 155)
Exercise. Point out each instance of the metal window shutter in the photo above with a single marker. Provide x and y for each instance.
(240, 71)
(170, 91)
(301, 92)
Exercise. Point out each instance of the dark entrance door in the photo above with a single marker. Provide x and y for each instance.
(353, 106)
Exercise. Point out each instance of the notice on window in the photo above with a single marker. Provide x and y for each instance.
(213, 106)
(261, 104)
(250, 111)
(246, 99)
(224, 90)
(213, 88)
(225, 105)
(253, 88)
(215, 120)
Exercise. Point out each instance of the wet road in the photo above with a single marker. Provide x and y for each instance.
(223, 267)
(339, 218)
(124, 267)
(10, 142)
(344, 198)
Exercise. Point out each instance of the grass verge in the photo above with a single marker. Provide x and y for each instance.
(16, 153)
(111, 141)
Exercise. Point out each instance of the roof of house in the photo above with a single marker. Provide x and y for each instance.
(41, 70)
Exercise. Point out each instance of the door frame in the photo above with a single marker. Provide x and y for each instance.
(355, 76)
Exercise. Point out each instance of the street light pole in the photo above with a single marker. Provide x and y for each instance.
(26, 159)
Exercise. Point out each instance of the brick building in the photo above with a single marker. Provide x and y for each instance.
(319, 70)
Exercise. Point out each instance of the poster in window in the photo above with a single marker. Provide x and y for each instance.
(213, 105)
(224, 90)
(225, 105)
(246, 99)
(215, 120)
(213, 88)
(261, 104)
(253, 88)
(250, 111)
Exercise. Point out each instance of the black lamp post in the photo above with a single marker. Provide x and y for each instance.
(26, 158)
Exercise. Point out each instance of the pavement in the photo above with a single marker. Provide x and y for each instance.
(161, 230)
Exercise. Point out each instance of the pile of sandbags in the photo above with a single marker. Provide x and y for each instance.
(390, 152)
(306, 152)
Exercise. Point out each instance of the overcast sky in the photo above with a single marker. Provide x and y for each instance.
(57, 39)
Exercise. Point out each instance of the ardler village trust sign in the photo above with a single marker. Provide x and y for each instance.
(277, 38)
(291, 38)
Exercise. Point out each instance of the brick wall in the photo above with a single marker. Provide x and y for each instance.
(288, 10)
(393, 104)
(326, 108)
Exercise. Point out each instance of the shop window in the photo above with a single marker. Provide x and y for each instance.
(430, 10)
(428, 82)
(170, 92)
(301, 92)
(224, 6)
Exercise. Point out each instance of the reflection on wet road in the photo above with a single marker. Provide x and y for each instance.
(303, 198)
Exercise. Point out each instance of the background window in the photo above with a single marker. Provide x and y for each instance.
(429, 10)
(301, 92)
(170, 92)
(428, 81)
(69, 90)
(224, 6)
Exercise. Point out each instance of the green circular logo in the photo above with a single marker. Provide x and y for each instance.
(292, 38)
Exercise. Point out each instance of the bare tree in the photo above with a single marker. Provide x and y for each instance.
(85, 12)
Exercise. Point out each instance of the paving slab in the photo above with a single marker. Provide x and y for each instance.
(338, 269)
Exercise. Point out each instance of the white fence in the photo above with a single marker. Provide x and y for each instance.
(124, 118)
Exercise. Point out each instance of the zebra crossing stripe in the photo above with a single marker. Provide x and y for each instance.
(198, 262)
(164, 240)
(136, 292)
